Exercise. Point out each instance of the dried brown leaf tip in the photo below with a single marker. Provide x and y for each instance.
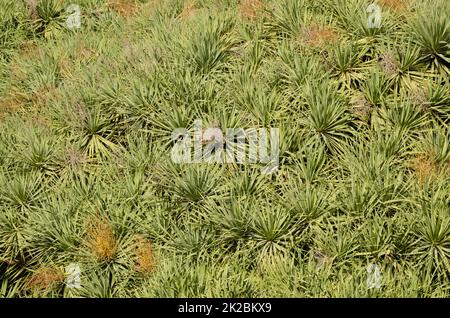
(317, 35)
(9, 104)
(45, 278)
(425, 167)
(144, 256)
(43, 95)
(189, 10)
(65, 66)
(250, 9)
(84, 54)
(125, 8)
(395, 5)
(101, 239)
(29, 49)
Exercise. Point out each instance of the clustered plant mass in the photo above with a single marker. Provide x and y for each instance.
(86, 116)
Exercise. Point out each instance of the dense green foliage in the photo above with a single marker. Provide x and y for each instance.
(86, 117)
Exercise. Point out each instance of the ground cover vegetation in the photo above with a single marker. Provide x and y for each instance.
(86, 177)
